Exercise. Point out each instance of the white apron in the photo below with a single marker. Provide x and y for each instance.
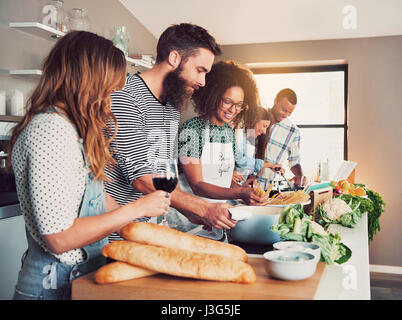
(217, 164)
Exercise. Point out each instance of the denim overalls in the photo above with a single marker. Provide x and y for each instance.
(42, 275)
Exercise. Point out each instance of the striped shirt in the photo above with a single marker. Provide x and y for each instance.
(147, 129)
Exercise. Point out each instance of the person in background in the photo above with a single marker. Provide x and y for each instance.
(58, 155)
(148, 111)
(283, 140)
(207, 143)
(255, 125)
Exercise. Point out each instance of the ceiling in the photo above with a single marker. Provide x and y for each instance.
(261, 21)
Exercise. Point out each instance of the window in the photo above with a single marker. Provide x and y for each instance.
(320, 113)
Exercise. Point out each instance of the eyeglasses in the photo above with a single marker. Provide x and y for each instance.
(228, 103)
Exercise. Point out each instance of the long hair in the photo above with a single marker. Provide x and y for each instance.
(79, 74)
(223, 76)
(259, 113)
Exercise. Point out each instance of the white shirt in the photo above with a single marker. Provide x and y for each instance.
(50, 177)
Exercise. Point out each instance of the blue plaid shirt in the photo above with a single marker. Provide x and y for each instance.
(284, 143)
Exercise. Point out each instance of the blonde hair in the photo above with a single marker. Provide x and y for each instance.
(79, 74)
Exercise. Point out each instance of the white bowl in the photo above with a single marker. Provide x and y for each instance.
(289, 265)
(312, 248)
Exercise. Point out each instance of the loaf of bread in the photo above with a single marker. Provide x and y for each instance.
(161, 236)
(179, 262)
(120, 271)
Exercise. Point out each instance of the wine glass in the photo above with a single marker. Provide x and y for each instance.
(165, 177)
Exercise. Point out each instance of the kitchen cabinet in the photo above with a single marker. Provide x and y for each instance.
(13, 244)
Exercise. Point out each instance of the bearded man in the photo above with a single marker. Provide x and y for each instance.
(148, 113)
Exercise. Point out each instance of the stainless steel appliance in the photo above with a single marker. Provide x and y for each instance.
(9, 205)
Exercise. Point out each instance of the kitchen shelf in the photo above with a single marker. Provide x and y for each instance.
(36, 73)
(38, 29)
(10, 118)
(139, 62)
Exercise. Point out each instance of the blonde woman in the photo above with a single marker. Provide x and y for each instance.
(59, 152)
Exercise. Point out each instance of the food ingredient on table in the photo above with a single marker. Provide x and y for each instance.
(155, 248)
(296, 225)
(371, 202)
(345, 187)
(179, 262)
(374, 205)
(261, 193)
(336, 210)
(292, 197)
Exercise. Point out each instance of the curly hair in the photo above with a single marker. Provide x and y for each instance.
(223, 76)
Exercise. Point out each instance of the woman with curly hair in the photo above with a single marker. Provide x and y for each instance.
(207, 144)
(59, 151)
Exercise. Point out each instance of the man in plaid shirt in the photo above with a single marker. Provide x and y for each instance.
(284, 136)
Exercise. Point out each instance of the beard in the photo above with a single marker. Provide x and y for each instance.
(175, 90)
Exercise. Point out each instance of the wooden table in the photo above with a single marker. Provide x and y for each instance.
(166, 287)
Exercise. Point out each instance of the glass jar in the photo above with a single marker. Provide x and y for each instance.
(79, 19)
(121, 39)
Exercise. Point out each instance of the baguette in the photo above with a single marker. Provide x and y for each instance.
(120, 271)
(180, 262)
(161, 236)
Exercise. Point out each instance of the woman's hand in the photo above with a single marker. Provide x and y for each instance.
(153, 204)
(237, 177)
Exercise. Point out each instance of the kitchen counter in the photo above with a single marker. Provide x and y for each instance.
(351, 280)
(348, 281)
(167, 287)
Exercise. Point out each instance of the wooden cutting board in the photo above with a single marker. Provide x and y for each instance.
(166, 287)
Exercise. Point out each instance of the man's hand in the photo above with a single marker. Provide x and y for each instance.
(250, 198)
(217, 215)
(299, 180)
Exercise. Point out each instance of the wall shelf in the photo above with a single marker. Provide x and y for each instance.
(36, 73)
(139, 62)
(38, 29)
(49, 33)
(10, 118)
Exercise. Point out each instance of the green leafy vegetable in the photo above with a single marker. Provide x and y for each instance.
(375, 214)
(374, 205)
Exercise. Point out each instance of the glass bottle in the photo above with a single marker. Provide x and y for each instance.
(79, 19)
(61, 17)
(121, 39)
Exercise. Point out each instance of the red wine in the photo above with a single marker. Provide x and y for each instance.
(165, 184)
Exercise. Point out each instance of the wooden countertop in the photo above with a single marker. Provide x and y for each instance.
(166, 287)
